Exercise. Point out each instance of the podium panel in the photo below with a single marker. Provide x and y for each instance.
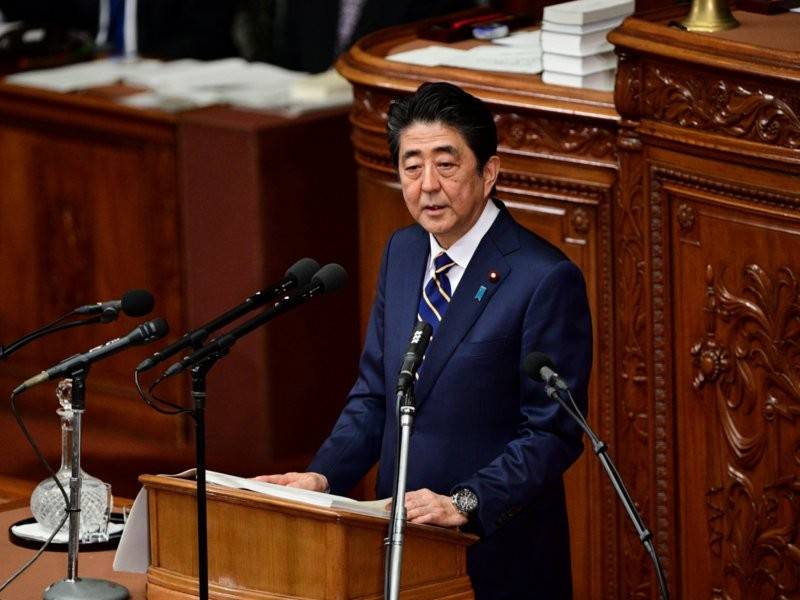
(262, 548)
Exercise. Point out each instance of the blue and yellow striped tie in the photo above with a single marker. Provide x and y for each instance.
(436, 294)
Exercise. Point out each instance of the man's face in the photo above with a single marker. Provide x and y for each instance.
(442, 187)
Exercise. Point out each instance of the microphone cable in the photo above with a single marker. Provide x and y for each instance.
(56, 325)
(153, 401)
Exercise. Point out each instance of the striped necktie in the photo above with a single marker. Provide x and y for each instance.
(436, 294)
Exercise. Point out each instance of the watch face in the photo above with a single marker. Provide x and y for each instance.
(466, 501)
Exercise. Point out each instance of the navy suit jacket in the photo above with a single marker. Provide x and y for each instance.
(481, 423)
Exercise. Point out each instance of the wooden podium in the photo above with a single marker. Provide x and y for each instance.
(261, 548)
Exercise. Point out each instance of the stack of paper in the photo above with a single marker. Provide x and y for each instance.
(576, 52)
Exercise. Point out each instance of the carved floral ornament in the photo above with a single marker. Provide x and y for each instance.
(580, 220)
(555, 136)
(760, 359)
(713, 104)
(750, 358)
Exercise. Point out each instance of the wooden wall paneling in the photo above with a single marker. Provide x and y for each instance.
(710, 127)
(736, 378)
(261, 192)
(89, 204)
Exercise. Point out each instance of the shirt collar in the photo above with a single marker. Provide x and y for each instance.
(462, 250)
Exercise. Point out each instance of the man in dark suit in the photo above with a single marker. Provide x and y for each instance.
(488, 448)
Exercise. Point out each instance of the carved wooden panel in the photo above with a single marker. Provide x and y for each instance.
(739, 107)
(737, 387)
(633, 410)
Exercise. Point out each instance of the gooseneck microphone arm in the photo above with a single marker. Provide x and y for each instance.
(412, 361)
(539, 367)
(298, 275)
(134, 303)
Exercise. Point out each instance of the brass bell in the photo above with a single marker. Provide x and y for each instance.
(707, 16)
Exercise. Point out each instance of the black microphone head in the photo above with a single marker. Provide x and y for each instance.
(137, 303)
(152, 330)
(330, 278)
(533, 363)
(421, 337)
(302, 271)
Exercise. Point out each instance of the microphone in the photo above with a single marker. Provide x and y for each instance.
(298, 275)
(134, 303)
(539, 367)
(420, 338)
(143, 334)
(329, 278)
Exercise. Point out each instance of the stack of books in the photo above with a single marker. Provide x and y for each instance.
(576, 52)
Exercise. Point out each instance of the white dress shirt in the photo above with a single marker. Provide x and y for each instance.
(462, 250)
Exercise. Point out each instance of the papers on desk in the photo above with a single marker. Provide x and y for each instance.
(373, 509)
(188, 83)
(522, 58)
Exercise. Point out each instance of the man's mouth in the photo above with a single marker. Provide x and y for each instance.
(434, 209)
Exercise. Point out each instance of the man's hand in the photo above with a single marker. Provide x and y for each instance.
(307, 481)
(423, 506)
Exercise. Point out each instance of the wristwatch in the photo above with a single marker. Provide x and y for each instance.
(465, 501)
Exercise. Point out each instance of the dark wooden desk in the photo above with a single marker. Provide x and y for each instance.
(52, 566)
(203, 208)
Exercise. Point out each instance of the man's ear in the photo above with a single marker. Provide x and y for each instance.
(490, 172)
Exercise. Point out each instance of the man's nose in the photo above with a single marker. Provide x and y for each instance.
(430, 179)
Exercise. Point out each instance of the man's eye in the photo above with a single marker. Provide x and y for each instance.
(446, 165)
(412, 168)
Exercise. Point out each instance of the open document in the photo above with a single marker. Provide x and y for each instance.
(133, 553)
(375, 508)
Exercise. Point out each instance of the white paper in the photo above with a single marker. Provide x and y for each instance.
(296, 494)
(430, 56)
(186, 84)
(521, 39)
(579, 65)
(607, 24)
(69, 78)
(602, 80)
(499, 58)
(576, 45)
(587, 11)
(133, 552)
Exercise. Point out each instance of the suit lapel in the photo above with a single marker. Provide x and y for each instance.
(406, 279)
(468, 300)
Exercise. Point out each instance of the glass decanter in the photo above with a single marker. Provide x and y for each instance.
(47, 501)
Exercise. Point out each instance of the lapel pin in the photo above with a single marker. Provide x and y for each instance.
(479, 294)
(493, 276)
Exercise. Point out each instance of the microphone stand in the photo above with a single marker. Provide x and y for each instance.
(74, 588)
(397, 521)
(601, 451)
(199, 373)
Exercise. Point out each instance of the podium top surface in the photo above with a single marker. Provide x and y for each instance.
(257, 500)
